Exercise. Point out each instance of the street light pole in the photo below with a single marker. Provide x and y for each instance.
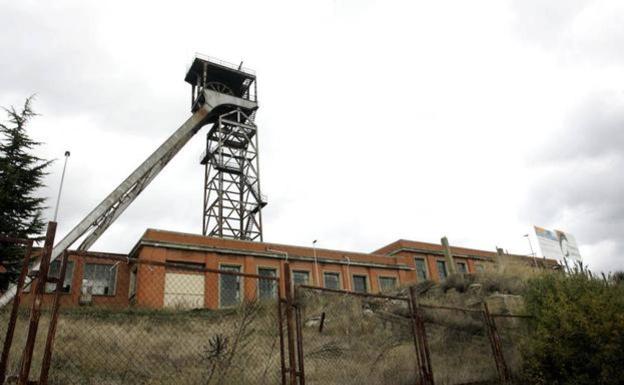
(58, 198)
(318, 277)
(531, 246)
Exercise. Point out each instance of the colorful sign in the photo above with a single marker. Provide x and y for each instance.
(556, 244)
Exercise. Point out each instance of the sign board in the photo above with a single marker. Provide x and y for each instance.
(556, 244)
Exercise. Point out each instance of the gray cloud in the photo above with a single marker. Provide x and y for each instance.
(69, 66)
(595, 129)
(581, 181)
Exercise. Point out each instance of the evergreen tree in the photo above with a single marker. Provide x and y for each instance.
(21, 175)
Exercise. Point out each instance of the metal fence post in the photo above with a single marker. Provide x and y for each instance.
(8, 340)
(416, 332)
(501, 366)
(420, 339)
(280, 325)
(35, 312)
(299, 330)
(290, 325)
(47, 355)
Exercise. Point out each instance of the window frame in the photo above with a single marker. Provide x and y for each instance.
(308, 272)
(241, 287)
(366, 283)
(275, 283)
(425, 264)
(443, 263)
(382, 277)
(133, 283)
(464, 264)
(50, 288)
(111, 266)
(333, 273)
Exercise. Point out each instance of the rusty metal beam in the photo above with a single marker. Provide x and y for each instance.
(280, 323)
(47, 354)
(8, 340)
(497, 351)
(300, 356)
(35, 312)
(355, 293)
(422, 344)
(290, 325)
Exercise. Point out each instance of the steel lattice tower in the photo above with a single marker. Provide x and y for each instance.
(233, 200)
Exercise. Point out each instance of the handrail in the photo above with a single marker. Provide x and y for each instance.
(222, 63)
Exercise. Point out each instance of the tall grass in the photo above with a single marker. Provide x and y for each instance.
(111, 347)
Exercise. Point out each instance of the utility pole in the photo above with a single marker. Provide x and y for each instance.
(58, 198)
(318, 277)
(531, 246)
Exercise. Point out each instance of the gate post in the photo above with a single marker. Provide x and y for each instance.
(8, 340)
(497, 351)
(299, 330)
(47, 355)
(420, 340)
(290, 325)
(280, 324)
(35, 312)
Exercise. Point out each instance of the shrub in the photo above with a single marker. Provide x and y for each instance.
(577, 332)
(459, 282)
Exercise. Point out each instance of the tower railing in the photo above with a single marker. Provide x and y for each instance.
(222, 63)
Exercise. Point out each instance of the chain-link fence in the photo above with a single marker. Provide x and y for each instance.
(15, 314)
(356, 339)
(124, 321)
(186, 325)
(459, 344)
(19, 335)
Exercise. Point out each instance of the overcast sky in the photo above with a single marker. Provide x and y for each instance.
(379, 120)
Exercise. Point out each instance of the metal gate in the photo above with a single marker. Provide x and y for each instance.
(353, 338)
(13, 366)
(356, 338)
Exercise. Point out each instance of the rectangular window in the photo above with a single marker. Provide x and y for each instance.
(332, 280)
(421, 269)
(55, 272)
(480, 268)
(267, 287)
(462, 268)
(441, 265)
(387, 283)
(360, 284)
(133, 283)
(301, 277)
(100, 278)
(230, 286)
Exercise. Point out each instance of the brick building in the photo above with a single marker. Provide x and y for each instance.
(117, 281)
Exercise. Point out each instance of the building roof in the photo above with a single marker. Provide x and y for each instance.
(407, 245)
(425, 247)
(384, 257)
(161, 238)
